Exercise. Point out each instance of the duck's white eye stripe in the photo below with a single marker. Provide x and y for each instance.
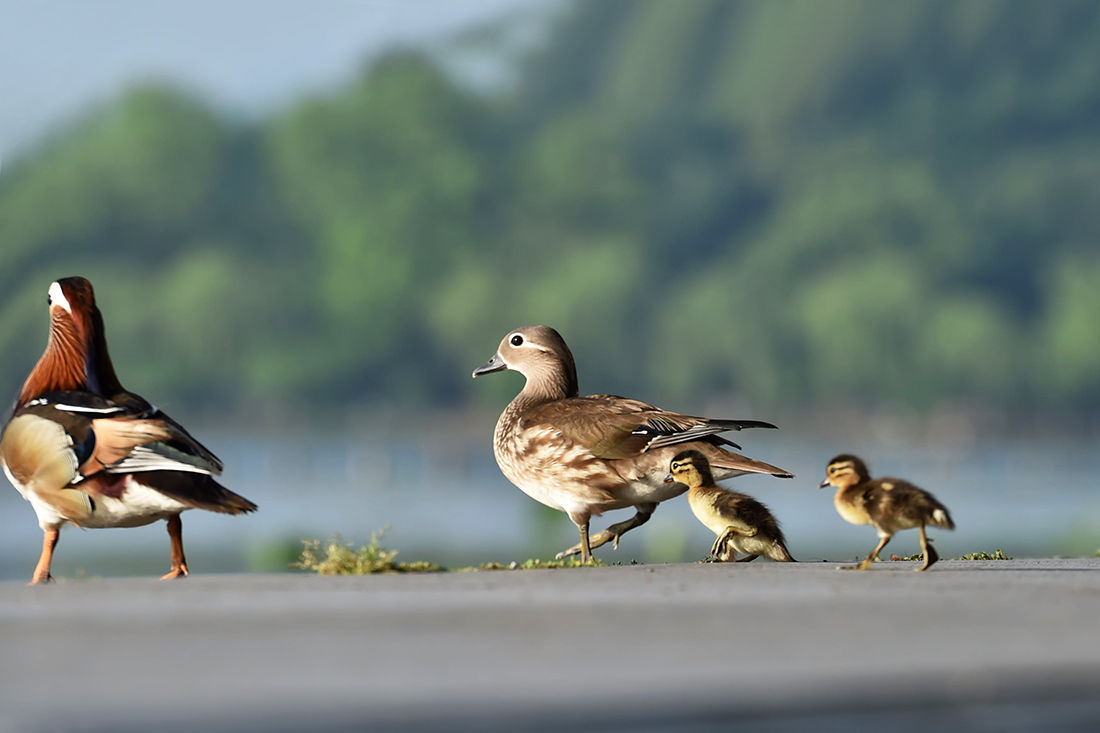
(57, 297)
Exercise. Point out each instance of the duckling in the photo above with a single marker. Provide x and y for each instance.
(741, 522)
(887, 504)
(588, 455)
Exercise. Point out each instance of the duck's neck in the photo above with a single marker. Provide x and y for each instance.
(62, 364)
(549, 385)
(849, 492)
(101, 372)
(541, 388)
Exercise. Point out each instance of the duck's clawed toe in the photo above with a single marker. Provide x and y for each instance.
(179, 571)
(574, 550)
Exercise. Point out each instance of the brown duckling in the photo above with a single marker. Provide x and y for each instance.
(588, 455)
(741, 523)
(887, 504)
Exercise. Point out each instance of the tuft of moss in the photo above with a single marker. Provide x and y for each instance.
(336, 557)
(998, 555)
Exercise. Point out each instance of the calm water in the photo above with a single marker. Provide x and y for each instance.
(445, 500)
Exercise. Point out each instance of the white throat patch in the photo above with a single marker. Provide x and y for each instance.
(57, 297)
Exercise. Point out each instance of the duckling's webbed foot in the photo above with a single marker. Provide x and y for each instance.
(868, 561)
(748, 558)
(862, 565)
(930, 554)
(611, 534)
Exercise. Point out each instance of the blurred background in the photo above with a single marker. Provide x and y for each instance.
(875, 224)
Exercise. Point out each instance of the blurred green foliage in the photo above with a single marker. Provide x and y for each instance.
(797, 203)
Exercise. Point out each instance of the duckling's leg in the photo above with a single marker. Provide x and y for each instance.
(716, 548)
(930, 554)
(868, 561)
(748, 558)
(42, 569)
(179, 562)
(615, 531)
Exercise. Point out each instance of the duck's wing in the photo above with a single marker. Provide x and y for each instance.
(181, 446)
(119, 438)
(613, 427)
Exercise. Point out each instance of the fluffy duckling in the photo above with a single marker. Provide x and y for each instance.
(887, 504)
(588, 455)
(741, 523)
(83, 450)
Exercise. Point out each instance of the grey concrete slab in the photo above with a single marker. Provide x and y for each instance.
(1000, 645)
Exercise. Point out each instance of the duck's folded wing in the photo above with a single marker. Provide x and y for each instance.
(182, 441)
(186, 443)
(126, 445)
(613, 427)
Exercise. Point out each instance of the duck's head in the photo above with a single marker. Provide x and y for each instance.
(538, 353)
(72, 304)
(845, 470)
(68, 361)
(690, 468)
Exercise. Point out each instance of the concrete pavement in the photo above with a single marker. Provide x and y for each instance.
(995, 645)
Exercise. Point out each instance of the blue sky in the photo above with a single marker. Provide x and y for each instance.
(59, 57)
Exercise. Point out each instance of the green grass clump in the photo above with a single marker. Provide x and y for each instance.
(335, 557)
(998, 555)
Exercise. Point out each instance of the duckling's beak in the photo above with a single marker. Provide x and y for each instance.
(669, 479)
(824, 483)
(495, 364)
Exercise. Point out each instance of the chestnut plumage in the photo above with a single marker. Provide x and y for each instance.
(84, 450)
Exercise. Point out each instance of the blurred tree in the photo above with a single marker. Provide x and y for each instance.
(784, 203)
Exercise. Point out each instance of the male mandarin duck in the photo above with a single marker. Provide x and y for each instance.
(84, 450)
(588, 455)
(740, 522)
(888, 504)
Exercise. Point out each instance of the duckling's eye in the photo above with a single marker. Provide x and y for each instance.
(516, 340)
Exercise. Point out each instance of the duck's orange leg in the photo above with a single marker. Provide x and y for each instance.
(179, 562)
(42, 569)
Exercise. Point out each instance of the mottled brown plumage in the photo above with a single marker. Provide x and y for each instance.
(84, 450)
(739, 522)
(888, 504)
(588, 455)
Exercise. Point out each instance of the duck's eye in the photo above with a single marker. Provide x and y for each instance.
(516, 340)
(49, 299)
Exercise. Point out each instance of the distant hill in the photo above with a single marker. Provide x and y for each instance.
(795, 204)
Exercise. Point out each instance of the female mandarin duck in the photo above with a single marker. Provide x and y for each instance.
(588, 455)
(83, 450)
(741, 523)
(888, 504)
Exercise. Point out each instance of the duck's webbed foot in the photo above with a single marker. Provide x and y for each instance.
(611, 534)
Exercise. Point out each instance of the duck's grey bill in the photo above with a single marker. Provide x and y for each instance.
(495, 364)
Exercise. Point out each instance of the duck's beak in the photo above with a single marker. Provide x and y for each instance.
(824, 483)
(495, 364)
(669, 479)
